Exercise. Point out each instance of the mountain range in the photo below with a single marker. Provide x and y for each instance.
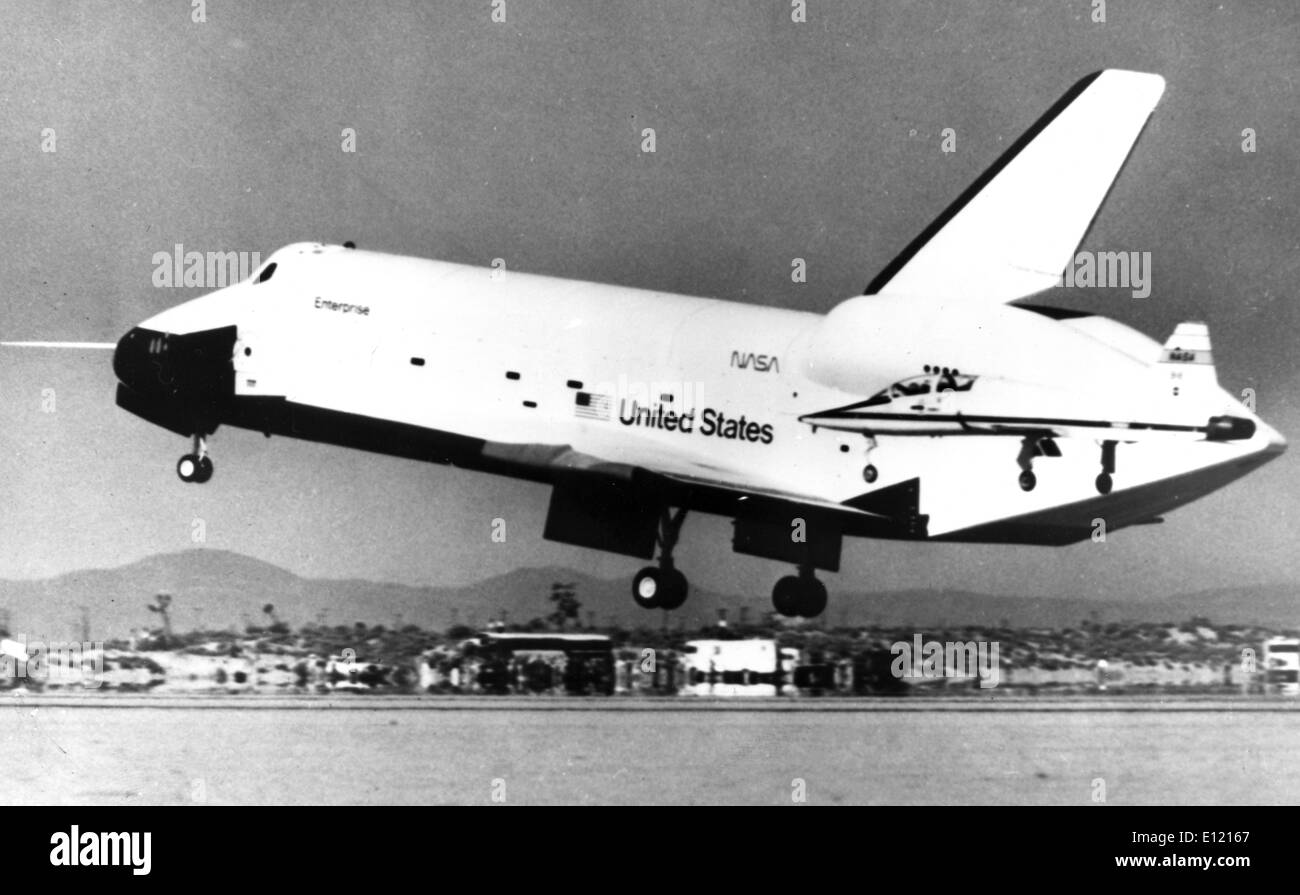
(218, 589)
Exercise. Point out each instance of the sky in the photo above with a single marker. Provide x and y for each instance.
(521, 140)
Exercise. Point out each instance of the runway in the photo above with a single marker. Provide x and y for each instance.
(464, 750)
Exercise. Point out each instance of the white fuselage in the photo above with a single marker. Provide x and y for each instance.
(551, 371)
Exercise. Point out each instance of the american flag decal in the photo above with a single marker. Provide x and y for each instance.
(591, 407)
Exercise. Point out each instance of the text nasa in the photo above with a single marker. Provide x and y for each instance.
(712, 422)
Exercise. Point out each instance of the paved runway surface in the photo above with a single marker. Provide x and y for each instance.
(149, 750)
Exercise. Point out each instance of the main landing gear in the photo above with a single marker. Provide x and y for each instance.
(663, 587)
(799, 595)
(196, 466)
(1032, 446)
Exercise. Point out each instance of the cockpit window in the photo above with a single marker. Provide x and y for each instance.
(265, 274)
(909, 387)
(952, 381)
(938, 382)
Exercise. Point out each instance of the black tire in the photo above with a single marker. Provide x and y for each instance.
(812, 598)
(785, 596)
(673, 589)
(647, 588)
(1028, 480)
(187, 468)
(205, 470)
(1105, 483)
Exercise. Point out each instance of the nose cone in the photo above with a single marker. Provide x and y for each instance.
(137, 361)
(129, 357)
(193, 368)
(183, 382)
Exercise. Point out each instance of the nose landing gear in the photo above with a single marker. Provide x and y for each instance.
(663, 587)
(196, 466)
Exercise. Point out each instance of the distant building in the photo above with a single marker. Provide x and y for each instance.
(737, 667)
(1280, 664)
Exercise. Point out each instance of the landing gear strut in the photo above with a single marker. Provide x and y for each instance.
(1025, 460)
(196, 466)
(799, 595)
(1032, 446)
(869, 472)
(1104, 481)
(662, 586)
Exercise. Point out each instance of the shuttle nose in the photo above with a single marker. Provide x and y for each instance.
(183, 382)
(191, 368)
(137, 360)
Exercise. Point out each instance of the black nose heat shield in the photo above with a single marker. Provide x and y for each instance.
(184, 383)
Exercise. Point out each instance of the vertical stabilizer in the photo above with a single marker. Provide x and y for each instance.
(1188, 358)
